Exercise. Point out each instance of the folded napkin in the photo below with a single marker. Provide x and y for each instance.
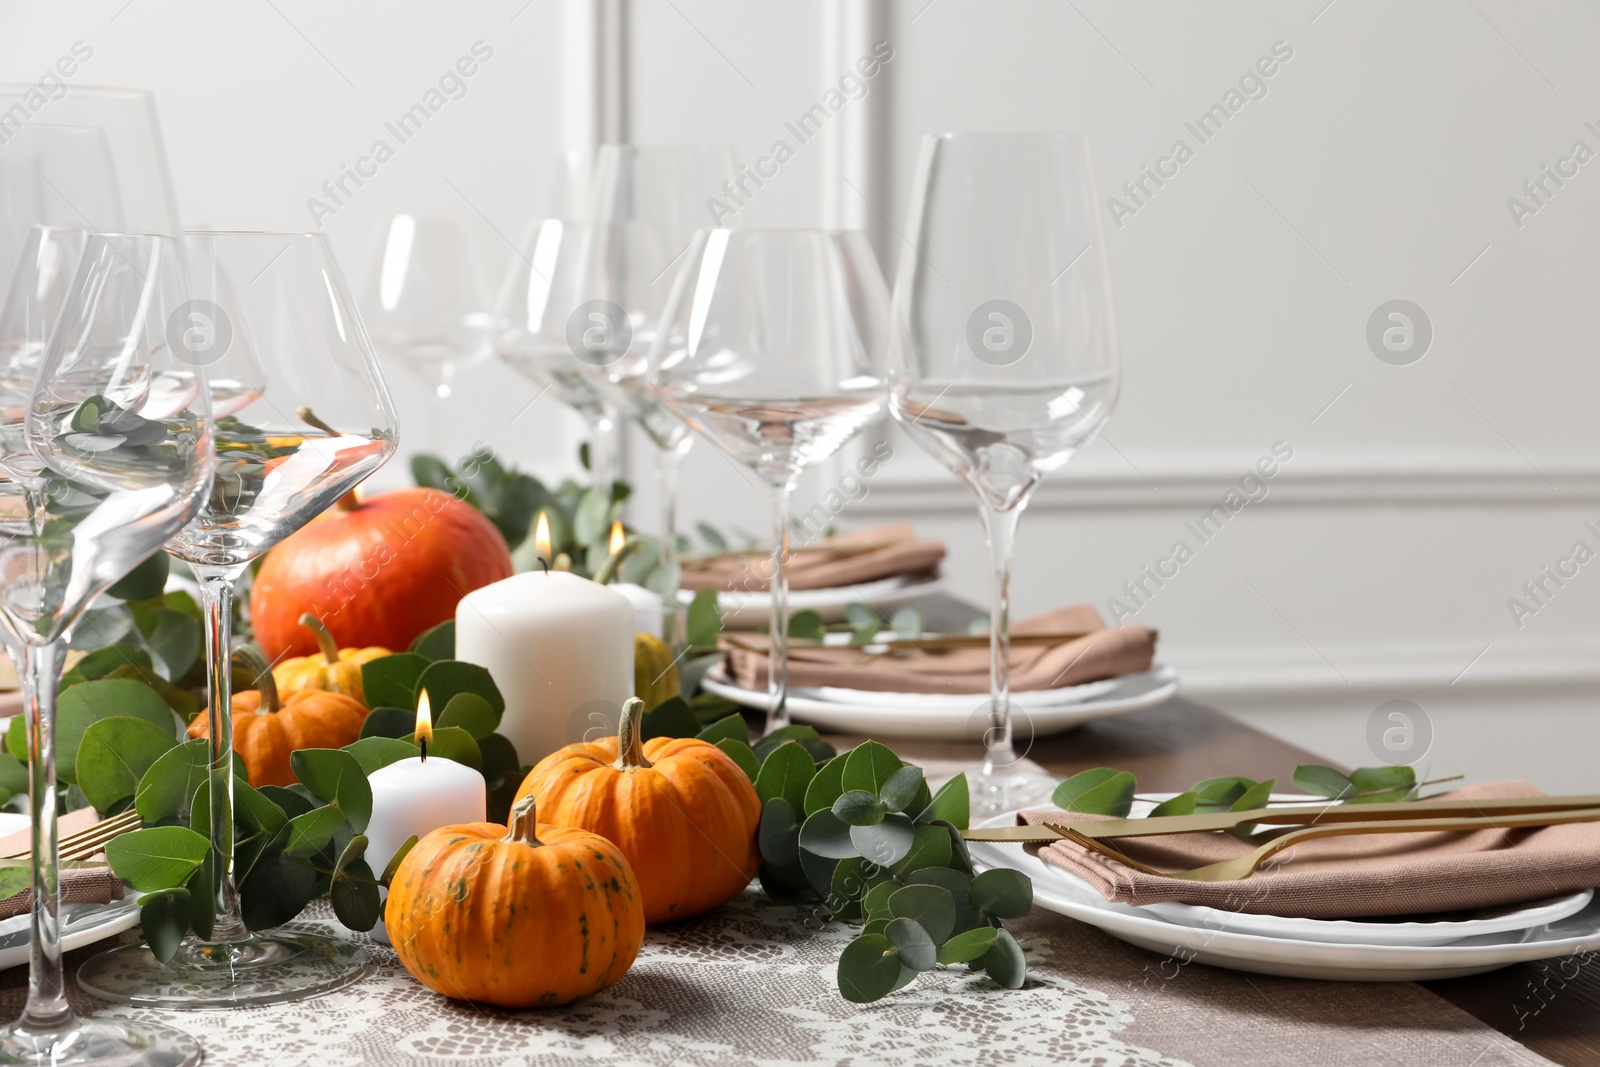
(1350, 877)
(1101, 654)
(79, 885)
(886, 552)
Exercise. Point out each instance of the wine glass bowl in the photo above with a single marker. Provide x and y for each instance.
(1003, 354)
(771, 346)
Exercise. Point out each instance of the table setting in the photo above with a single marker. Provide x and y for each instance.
(489, 769)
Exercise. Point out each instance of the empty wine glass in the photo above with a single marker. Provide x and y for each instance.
(1003, 356)
(534, 316)
(303, 416)
(771, 346)
(123, 431)
(647, 203)
(429, 304)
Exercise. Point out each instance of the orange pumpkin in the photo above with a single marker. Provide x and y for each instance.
(377, 572)
(680, 809)
(335, 669)
(265, 733)
(527, 917)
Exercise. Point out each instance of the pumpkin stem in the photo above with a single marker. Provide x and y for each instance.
(630, 749)
(325, 641)
(613, 563)
(524, 822)
(251, 661)
(309, 417)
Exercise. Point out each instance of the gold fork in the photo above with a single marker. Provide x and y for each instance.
(86, 842)
(1244, 866)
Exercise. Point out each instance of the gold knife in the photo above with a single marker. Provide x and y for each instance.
(1298, 814)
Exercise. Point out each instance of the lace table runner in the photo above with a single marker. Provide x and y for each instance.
(752, 983)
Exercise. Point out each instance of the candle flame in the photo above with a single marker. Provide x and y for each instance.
(541, 536)
(424, 732)
(618, 538)
(359, 493)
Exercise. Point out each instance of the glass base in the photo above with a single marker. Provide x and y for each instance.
(1008, 789)
(277, 966)
(100, 1043)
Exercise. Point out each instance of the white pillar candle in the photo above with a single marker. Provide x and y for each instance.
(417, 796)
(646, 607)
(559, 646)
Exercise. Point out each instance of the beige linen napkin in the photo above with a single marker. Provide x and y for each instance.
(895, 551)
(1102, 654)
(96, 885)
(1351, 877)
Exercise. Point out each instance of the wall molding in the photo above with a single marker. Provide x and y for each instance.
(1178, 482)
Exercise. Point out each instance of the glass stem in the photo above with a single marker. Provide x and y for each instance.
(778, 648)
(668, 462)
(216, 606)
(47, 1009)
(1001, 529)
(604, 450)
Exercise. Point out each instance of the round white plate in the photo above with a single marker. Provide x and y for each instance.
(1289, 957)
(753, 610)
(965, 717)
(81, 924)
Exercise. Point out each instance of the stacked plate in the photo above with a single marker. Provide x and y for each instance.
(1408, 949)
(960, 717)
(753, 611)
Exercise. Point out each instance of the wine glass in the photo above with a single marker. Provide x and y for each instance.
(303, 416)
(772, 347)
(1003, 354)
(430, 299)
(533, 313)
(123, 431)
(647, 203)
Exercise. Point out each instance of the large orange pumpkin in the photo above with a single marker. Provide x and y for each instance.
(526, 917)
(265, 733)
(378, 572)
(680, 809)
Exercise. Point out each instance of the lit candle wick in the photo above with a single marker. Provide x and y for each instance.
(424, 731)
(618, 537)
(541, 539)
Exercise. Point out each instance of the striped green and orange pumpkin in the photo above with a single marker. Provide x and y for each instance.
(529, 916)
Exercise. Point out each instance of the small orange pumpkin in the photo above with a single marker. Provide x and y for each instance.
(265, 733)
(527, 917)
(680, 809)
(335, 669)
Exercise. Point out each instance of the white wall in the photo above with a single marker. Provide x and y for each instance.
(1377, 167)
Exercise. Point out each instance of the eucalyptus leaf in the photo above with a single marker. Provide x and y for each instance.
(825, 834)
(907, 622)
(743, 755)
(1256, 796)
(181, 701)
(146, 580)
(391, 681)
(1101, 791)
(951, 804)
(202, 915)
(454, 743)
(785, 773)
(335, 776)
(869, 969)
(868, 766)
(436, 642)
(393, 723)
(15, 876)
(931, 907)
(276, 890)
(968, 945)
(156, 857)
(930, 848)
(399, 856)
(355, 897)
(857, 807)
(1182, 804)
(114, 754)
(374, 753)
(13, 776)
(779, 833)
(175, 641)
(83, 705)
(876, 902)
(704, 619)
(845, 892)
(290, 802)
(901, 788)
(1219, 794)
(470, 712)
(164, 919)
(729, 726)
(1322, 781)
(1004, 962)
(885, 843)
(913, 944)
(670, 718)
(827, 786)
(1003, 893)
(807, 626)
(310, 833)
(818, 871)
(103, 661)
(446, 678)
(253, 810)
(500, 760)
(1382, 779)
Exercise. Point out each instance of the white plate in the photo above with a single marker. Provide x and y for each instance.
(1289, 957)
(81, 924)
(966, 717)
(753, 610)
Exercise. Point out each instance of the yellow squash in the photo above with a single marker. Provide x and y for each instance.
(335, 669)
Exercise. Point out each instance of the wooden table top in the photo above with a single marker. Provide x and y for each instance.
(1552, 1007)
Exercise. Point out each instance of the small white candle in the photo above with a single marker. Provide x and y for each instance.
(646, 607)
(416, 796)
(559, 646)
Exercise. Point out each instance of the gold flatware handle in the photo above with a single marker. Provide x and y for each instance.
(1012, 833)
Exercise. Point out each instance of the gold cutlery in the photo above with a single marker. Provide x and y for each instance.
(86, 842)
